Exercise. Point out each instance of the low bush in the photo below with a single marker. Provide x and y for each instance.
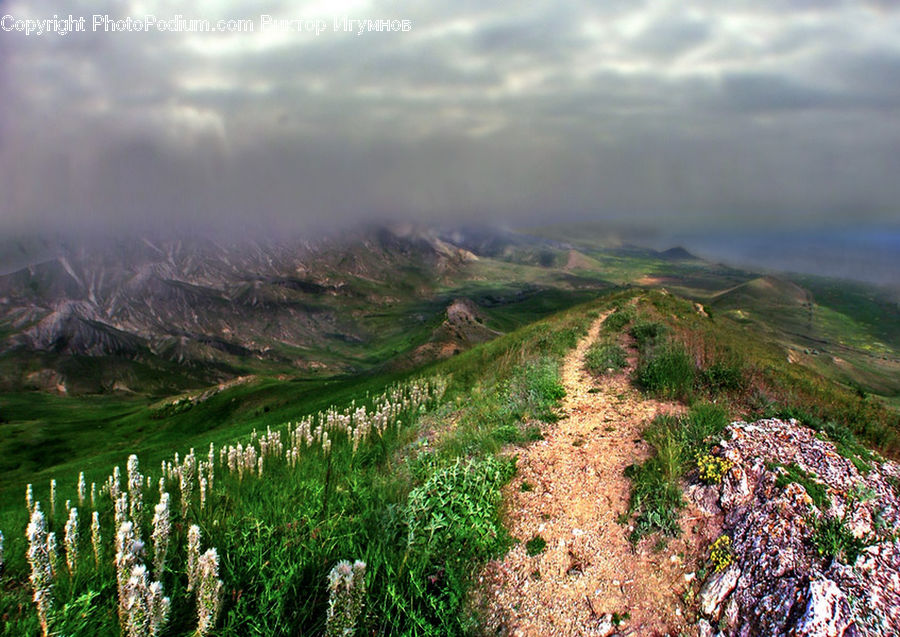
(647, 333)
(534, 391)
(834, 540)
(723, 376)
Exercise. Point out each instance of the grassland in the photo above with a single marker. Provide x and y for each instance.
(397, 504)
(280, 535)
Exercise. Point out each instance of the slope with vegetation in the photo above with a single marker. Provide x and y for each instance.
(421, 501)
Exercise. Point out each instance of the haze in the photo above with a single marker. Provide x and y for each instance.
(717, 114)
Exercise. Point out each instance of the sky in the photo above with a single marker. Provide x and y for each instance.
(713, 113)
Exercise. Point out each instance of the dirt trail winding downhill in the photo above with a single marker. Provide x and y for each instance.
(570, 489)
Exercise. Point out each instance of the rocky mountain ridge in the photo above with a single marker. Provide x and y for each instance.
(199, 301)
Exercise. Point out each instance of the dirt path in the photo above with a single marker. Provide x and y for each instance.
(570, 489)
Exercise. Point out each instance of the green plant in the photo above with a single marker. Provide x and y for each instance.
(647, 332)
(667, 370)
(456, 510)
(619, 319)
(794, 473)
(535, 545)
(724, 375)
(604, 357)
(832, 539)
(712, 469)
(620, 618)
(656, 498)
(721, 553)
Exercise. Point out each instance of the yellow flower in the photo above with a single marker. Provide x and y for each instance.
(712, 468)
(720, 553)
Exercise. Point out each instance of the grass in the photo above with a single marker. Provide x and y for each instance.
(833, 539)
(602, 358)
(621, 317)
(656, 499)
(794, 473)
(667, 371)
(535, 545)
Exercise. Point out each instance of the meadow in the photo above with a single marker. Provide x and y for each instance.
(414, 498)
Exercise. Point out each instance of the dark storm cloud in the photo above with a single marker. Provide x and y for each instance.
(672, 114)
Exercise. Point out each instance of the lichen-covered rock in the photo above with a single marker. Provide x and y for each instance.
(706, 497)
(717, 588)
(786, 586)
(827, 611)
(735, 488)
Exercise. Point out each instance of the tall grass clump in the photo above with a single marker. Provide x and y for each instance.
(667, 371)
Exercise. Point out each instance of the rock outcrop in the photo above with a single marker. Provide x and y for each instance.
(814, 536)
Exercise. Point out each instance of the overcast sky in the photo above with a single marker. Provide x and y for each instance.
(676, 113)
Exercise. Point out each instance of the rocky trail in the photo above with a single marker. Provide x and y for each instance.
(569, 491)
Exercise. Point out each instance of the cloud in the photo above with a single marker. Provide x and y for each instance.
(720, 113)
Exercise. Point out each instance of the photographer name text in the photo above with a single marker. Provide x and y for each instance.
(104, 23)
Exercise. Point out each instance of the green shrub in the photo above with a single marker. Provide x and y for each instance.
(667, 371)
(655, 499)
(723, 376)
(655, 484)
(603, 357)
(456, 511)
(534, 391)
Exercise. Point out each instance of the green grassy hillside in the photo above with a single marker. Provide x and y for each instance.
(419, 503)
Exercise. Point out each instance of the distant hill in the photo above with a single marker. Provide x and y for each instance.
(678, 254)
(767, 290)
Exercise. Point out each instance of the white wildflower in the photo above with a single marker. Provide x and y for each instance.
(96, 538)
(71, 541)
(209, 593)
(52, 554)
(53, 498)
(135, 492)
(162, 530)
(346, 598)
(41, 574)
(193, 556)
